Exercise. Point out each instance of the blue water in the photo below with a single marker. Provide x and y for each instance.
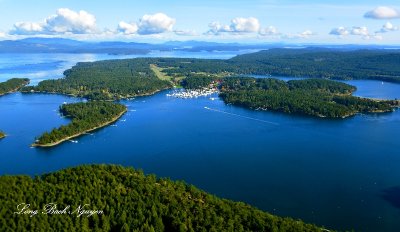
(343, 174)
(38, 67)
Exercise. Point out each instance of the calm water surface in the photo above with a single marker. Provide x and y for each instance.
(342, 174)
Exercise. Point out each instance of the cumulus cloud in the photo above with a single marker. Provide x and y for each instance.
(63, 22)
(245, 25)
(269, 31)
(148, 25)
(387, 27)
(27, 28)
(155, 24)
(363, 31)
(216, 28)
(66, 20)
(383, 12)
(305, 34)
(302, 35)
(340, 31)
(127, 28)
(238, 25)
(2, 34)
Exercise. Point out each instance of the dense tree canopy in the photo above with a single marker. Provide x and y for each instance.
(104, 80)
(308, 62)
(85, 116)
(115, 79)
(316, 97)
(197, 81)
(12, 85)
(129, 201)
(322, 63)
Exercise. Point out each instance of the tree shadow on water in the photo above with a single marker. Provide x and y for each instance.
(392, 195)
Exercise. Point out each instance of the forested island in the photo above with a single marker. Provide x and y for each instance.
(308, 62)
(124, 199)
(323, 63)
(315, 97)
(105, 80)
(2, 135)
(116, 79)
(12, 85)
(86, 116)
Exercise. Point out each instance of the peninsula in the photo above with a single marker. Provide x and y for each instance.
(12, 85)
(124, 199)
(314, 97)
(2, 135)
(85, 117)
(105, 80)
(117, 79)
(317, 96)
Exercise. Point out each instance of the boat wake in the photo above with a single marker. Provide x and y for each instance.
(241, 116)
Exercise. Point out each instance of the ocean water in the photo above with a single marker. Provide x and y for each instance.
(342, 174)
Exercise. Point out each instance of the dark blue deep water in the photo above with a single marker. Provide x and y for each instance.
(343, 174)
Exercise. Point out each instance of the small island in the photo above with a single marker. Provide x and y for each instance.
(314, 97)
(12, 85)
(2, 135)
(86, 117)
(124, 199)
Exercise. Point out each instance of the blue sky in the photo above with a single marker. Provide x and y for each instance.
(342, 22)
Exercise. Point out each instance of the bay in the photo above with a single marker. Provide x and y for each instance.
(342, 174)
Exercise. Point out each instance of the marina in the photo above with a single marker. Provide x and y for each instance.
(193, 93)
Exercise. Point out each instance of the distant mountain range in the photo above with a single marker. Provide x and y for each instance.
(59, 45)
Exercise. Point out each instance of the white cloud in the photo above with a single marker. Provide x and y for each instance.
(149, 25)
(216, 28)
(363, 31)
(27, 28)
(302, 35)
(269, 31)
(245, 25)
(305, 34)
(238, 25)
(186, 32)
(387, 27)
(155, 24)
(383, 12)
(340, 31)
(65, 21)
(2, 34)
(127, 28)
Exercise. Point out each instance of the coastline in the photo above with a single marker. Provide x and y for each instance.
(78, 96)
(14, 90)
(80, 133)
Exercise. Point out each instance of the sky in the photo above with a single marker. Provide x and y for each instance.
(245, 21)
